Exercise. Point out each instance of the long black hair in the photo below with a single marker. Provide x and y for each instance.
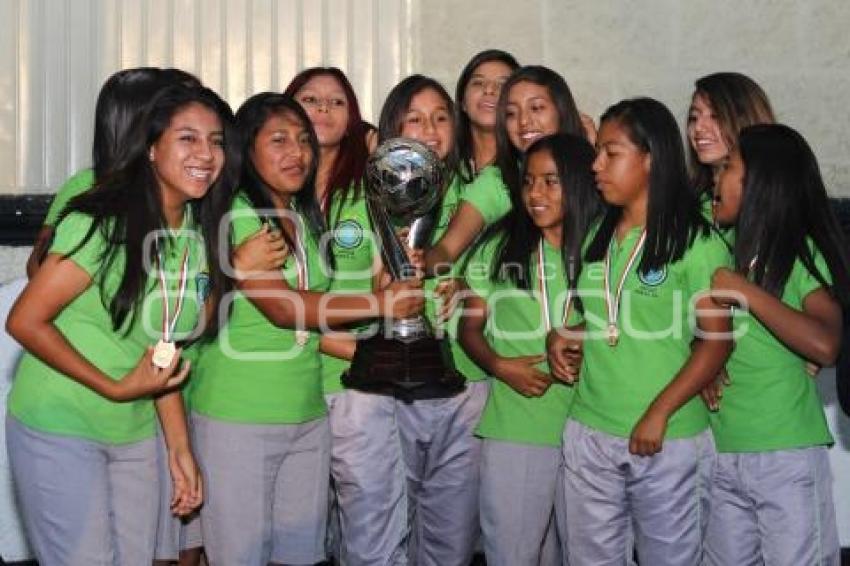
(508, 157)
(518, 236)
(250, 118)
(673, 217)
(398, 103)
(785, 213)
(126, 204)
(124, 96)
(463, 127)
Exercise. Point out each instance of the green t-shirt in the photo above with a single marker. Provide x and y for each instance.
(77, 184)
(656, 328)
(516, 327)
(255, 372)
(489, 195)
(772, 403)
(463, 363)
(354, 253)
(47, 400)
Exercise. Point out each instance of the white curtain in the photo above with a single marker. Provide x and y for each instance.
(55, 54)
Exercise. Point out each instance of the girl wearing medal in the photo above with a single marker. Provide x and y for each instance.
(522, 278)
(259, 415)
(772, 492)
(121, 99)
(645, 278)
(81, 421)
(722, 104)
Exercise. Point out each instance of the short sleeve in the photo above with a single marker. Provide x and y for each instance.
(706, 255)
(805, 281)
(75, 185)
(244, 220)
(488, 194)
(70, 232)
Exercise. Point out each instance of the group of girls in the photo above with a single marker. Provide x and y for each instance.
(590, 289)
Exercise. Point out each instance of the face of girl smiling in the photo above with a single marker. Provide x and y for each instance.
(327, 106)
(189, 154)
(281, 153)
(728, 190)
(530, 114)
(542, 193)
(704, 132)
(482, 93)
(429, 120)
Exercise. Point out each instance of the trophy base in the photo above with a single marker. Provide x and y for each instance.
(421, 369)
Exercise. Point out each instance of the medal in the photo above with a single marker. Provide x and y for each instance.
(612, 304)
(613, 335)
(163, 353)
(302, 335)
(544, 292)
(165, 349)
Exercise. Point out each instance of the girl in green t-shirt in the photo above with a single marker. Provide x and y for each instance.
(534, 101)
(125, 271)
(521, 278)
(329, 100)
(258, 411)
(653, 339)
(772, 492)
(122, 98)
(722, 104)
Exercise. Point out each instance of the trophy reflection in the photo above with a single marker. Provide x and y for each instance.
(404, 188)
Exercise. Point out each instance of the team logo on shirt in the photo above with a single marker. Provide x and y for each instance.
(653, 277)
(202, 284)
(348, 234)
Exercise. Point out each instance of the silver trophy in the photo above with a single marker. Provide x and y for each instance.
(405, 181)
(404, 187)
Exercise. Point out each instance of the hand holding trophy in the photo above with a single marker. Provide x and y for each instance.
(404, 187)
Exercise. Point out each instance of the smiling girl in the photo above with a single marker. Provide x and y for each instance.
(722, 105)
(121, 275)
(534, 101)
(521, 287)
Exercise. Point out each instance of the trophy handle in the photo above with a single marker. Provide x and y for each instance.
(392, 250)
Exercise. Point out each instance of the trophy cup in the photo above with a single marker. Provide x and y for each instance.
(404, 186)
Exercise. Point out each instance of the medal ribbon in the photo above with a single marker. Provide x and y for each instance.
(302, 268)
(169, 323)
(613, 306)
(544, 291)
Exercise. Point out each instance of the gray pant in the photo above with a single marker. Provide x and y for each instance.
(85, 503)
(173, 534)
(266, 491)
(773, 508)
(406, 477)
(607, 490)
(519, 486)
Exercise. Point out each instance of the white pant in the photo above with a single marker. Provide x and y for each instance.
(607, 490)
(773, 508)
(406, 476)
(85, 503)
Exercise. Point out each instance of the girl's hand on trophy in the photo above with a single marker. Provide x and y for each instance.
(263, 252)
(416, 256)
(402, 299)
(450, 292)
